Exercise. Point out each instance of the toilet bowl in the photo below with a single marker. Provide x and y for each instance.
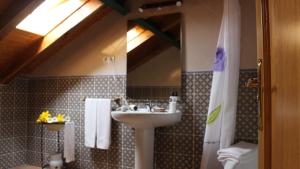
(249, 161)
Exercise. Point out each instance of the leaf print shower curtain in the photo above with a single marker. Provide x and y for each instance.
(220, 126)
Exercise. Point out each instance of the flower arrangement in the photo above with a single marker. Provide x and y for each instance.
(46, 117)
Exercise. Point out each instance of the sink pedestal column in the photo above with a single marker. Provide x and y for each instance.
(144, 147)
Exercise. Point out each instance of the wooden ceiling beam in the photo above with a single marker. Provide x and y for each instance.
(45, 51)
(14, 14)
(116, 6)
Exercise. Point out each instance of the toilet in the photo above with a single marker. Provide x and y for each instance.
(249, 161)
(246, 161)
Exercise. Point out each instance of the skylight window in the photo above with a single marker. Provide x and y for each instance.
(49, 15)
(136, 36)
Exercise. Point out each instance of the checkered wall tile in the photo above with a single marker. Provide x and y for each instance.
(247, 112)
(13, 123)
(176, 147)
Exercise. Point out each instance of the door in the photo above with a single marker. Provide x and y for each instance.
(279, 49)
(285, 83)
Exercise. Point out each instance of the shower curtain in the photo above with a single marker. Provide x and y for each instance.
(220, 126)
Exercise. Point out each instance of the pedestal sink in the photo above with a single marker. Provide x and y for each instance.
(144, 124)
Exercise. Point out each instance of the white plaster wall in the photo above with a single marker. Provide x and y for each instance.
(84, 55)
(248, 38)
(201, 23)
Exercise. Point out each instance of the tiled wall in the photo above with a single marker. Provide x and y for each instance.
(65, 95)
(247, 114)
(13, 123)
(176, 147)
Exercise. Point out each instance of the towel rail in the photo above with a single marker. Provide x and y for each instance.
(84, 98)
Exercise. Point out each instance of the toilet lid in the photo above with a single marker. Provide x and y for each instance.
(250, 156)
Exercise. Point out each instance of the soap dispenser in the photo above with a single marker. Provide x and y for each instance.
(173, 102)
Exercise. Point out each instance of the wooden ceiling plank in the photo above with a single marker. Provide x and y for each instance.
(4, 5)
(14, 14)
(12, 45)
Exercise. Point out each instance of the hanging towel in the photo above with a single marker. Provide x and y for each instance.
(97, 123)
(90, 122)
(69, 142)
(103, 123)
(232, 155)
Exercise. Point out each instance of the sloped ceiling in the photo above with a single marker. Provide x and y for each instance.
(20, 51)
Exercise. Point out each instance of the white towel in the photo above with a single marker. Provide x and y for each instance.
(69, 142)
(90, 122)
(97, 123)
(232, 155)
(103, 123)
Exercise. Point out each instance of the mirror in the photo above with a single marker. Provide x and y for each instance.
(154, 57)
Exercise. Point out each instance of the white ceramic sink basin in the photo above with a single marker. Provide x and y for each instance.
(138, 119)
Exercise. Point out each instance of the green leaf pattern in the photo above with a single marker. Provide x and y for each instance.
(212, 117)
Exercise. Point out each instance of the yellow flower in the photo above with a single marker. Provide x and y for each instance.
(44, 116)
(60, 118)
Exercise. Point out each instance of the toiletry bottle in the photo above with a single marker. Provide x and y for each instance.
(172, 103)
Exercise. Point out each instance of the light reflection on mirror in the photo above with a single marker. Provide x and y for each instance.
(136, 36)
(153, 57)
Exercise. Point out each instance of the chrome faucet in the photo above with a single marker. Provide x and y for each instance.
(149, 105)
